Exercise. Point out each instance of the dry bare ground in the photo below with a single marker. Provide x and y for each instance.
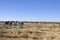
(34, 32)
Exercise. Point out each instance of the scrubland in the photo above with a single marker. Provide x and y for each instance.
(34, 31)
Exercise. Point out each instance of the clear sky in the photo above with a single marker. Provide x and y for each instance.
(30, 10)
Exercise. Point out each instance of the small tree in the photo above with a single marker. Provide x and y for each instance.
(22, 24)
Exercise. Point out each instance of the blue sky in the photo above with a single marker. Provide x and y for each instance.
(30, 10)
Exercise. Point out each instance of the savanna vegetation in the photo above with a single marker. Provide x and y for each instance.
(29, 30)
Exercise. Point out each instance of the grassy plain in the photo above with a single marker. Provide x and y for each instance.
(35, 31)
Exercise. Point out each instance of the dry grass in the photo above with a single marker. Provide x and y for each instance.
(35, 32)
